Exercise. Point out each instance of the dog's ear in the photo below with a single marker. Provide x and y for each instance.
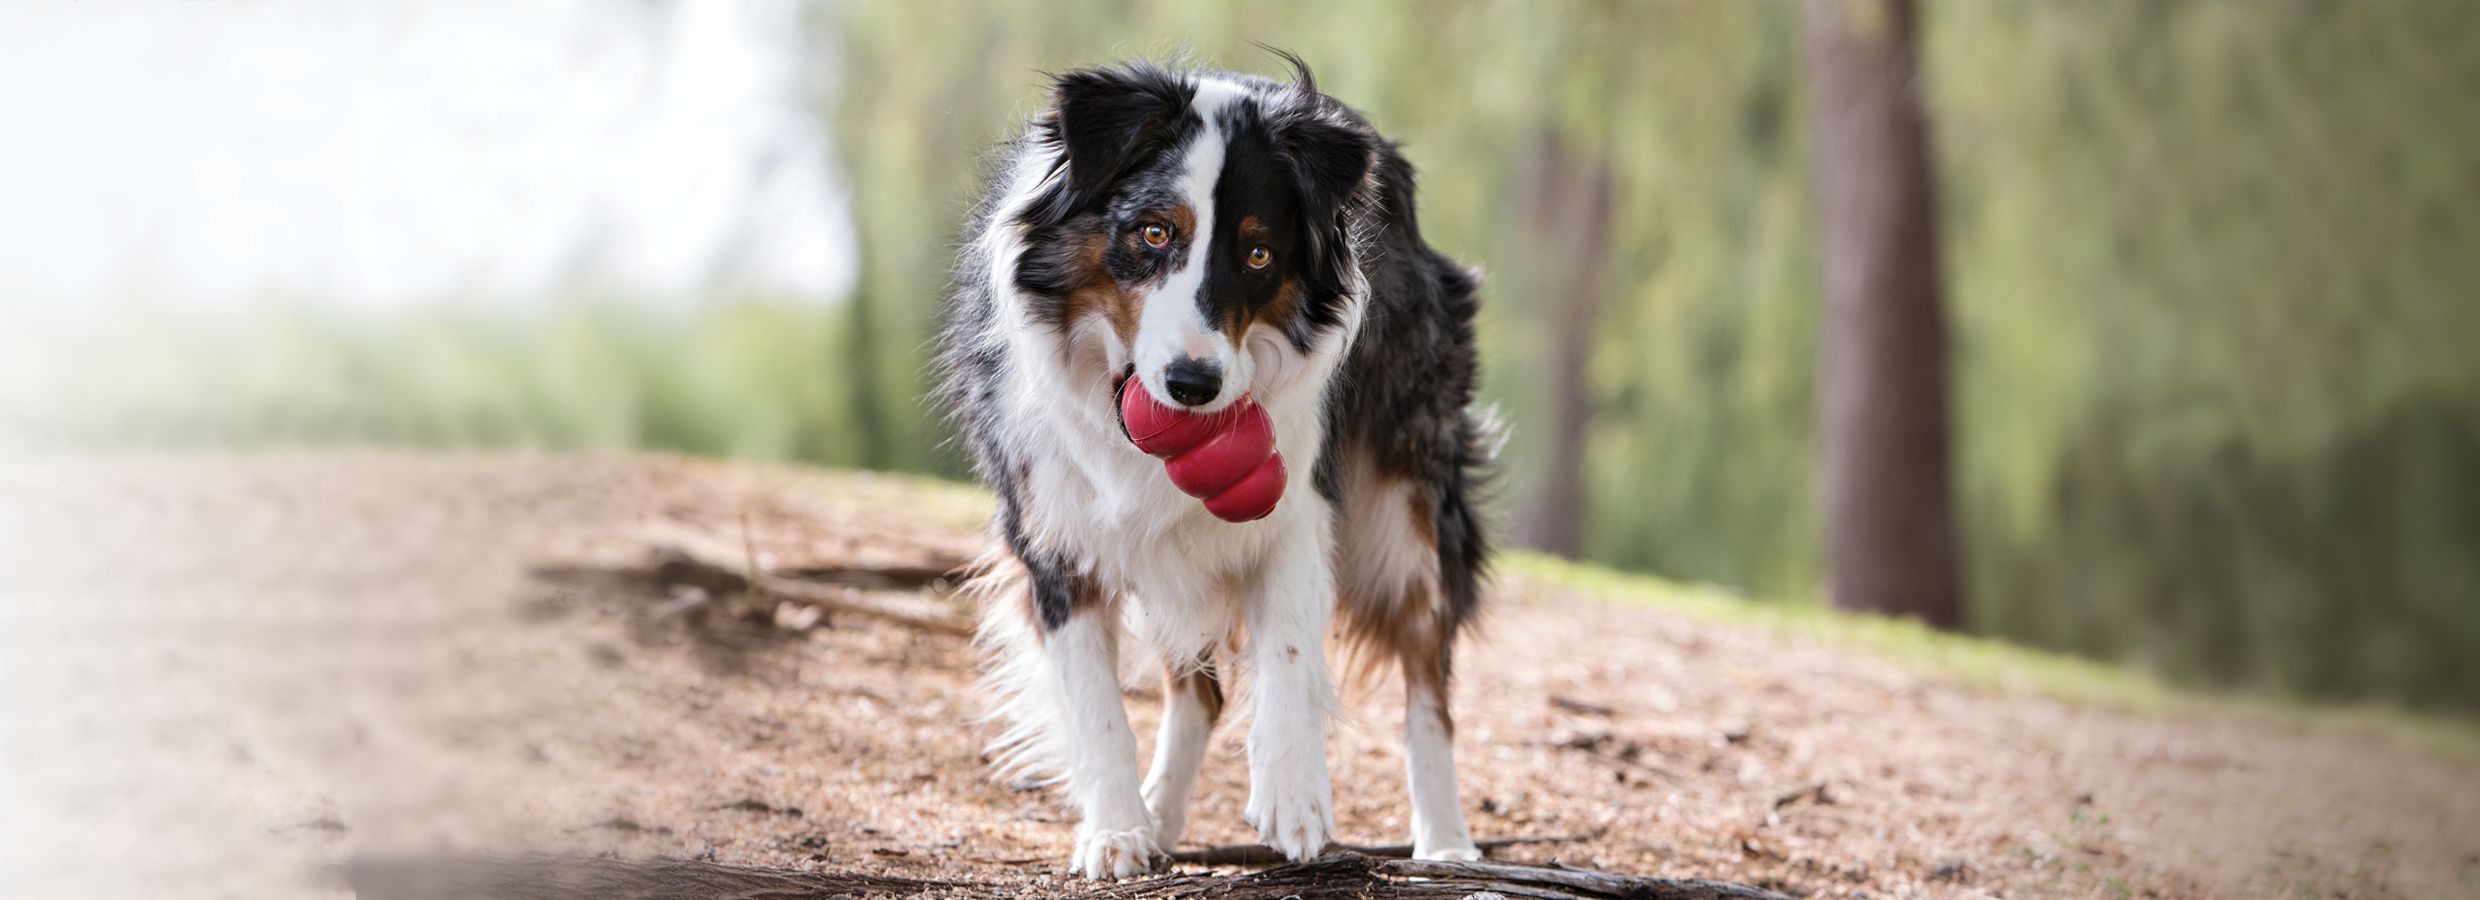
(1104, 120)
(1329, 150)
(1328, 159)
(1329, 153)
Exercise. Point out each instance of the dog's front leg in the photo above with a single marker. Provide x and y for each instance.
(1114, 833)
(1290, 801)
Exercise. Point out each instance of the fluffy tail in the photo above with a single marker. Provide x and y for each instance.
(1015, 685)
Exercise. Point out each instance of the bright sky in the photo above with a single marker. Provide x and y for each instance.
(381, 154)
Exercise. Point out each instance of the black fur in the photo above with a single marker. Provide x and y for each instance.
(1108, 120)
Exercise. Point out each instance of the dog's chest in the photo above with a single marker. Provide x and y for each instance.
(1086, 490)
(1116, 507)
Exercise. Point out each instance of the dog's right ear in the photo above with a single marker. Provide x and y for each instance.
(1103, 121)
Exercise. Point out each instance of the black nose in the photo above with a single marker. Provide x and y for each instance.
(1193, 381)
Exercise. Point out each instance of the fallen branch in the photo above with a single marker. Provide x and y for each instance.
(1262, 855)
(679, 568)
(886, 577)
(1336, 875)
(568, 878)
(1600, 883)
(690, 564)
(930, 569)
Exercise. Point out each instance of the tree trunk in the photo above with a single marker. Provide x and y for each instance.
(1566, 204)
(1889, 512)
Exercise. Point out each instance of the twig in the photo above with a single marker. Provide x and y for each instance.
(1582, 879)
(1595, 745)
(932, 575)
(1262, 855)
(688, 599)
(847, 600)
(1815, 790)
(930, 568)
(684, 565)
(749, 562)
(1571, 704)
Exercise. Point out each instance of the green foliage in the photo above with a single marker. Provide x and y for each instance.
(2211, 268)
(742, 378)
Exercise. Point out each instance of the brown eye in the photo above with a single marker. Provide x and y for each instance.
(1156, 235)
(1260, 257)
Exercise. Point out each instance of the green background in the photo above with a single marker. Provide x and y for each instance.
(2210, 268)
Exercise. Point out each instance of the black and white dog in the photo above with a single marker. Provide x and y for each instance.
(1215, 235)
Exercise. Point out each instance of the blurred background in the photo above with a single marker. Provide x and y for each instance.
(2204, 270)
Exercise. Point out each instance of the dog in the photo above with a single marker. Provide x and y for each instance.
(1214, 235)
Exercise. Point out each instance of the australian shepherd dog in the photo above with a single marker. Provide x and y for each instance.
(1215, 236)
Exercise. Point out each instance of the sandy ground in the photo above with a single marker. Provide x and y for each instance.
(221, 675)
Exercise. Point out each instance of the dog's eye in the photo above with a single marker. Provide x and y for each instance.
(1260, 257)
(1156, 235)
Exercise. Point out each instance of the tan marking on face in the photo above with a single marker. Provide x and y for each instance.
(1276, 314)
(1117, 307)
(1098, 294)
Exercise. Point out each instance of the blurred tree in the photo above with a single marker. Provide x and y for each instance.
(1565, 199)
(1890, 529)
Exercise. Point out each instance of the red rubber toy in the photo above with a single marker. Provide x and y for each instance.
(1226, 459)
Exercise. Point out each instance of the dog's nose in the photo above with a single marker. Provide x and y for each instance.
(1193, 381)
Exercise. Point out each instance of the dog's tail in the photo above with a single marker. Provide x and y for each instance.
(1030, 748)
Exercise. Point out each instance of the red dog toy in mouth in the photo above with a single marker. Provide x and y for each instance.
(1226, 459)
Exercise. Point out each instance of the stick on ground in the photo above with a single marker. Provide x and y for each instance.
(679, 564)
(1336, 875)
(1262, 855)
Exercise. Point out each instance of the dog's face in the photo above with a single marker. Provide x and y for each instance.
(1195, 226)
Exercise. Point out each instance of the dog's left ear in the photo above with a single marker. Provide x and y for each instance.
(1330, 155)
(1329, 149)
(1329, 159)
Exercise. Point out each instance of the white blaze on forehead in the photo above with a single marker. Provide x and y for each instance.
(1213, 95)
(1172, 324)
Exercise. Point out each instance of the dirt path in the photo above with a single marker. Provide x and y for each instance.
(221, 674)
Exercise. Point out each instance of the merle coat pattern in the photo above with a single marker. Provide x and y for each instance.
(1209, 235)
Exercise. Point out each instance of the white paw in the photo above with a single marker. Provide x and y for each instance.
(1465, 853)
(1293, 808)
(1113, 855)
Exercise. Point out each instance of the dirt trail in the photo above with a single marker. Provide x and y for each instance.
(223, 673)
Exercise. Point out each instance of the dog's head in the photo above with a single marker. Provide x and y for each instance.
(1199, 224)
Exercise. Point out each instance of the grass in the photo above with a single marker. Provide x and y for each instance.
(1993, 664)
